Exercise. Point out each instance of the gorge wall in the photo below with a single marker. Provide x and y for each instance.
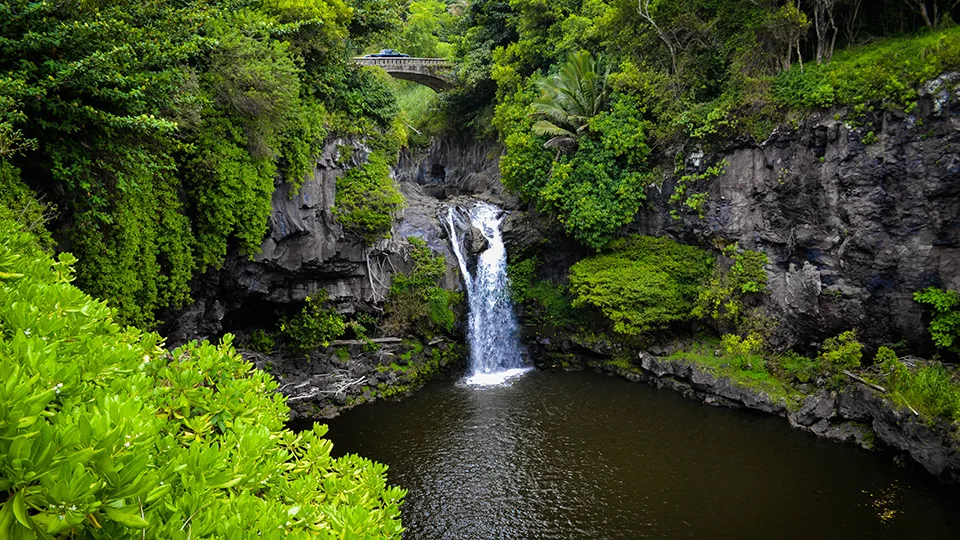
(852, 225)
(853, 220)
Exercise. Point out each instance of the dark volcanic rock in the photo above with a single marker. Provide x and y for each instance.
(851, 230)
(306, 251)
(452, 167)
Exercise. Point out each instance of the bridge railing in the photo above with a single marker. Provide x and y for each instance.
(394, 61)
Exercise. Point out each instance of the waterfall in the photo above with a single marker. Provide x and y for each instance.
(492, 329)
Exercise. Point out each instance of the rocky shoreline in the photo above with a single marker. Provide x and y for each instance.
(856, 414)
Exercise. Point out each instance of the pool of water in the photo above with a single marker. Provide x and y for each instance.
(582, 455)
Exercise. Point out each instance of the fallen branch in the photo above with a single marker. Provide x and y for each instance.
(341, 342)
(868, 383)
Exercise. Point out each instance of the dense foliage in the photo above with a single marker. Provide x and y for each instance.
(945, 323)
(159, 129)
(595, 190)
(676, 76)
(416, 304)
(104, 434)
(367, 199)
(315, 325)
(641, 283)
(723, 298)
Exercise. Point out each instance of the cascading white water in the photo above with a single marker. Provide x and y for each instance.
(492, 329)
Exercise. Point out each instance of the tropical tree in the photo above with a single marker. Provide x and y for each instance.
(570, 98)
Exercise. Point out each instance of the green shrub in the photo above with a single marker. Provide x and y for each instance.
(521, 275)
(794, 367)
(367, 198)
(945, 325)
(722, 299)
(641, 283)
(315, 326)
(741, 346)
(104, 434)
(839, 353)
(746, 351)
(261, 341)
(890, 365)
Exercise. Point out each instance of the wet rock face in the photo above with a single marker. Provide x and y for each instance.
(851, 227)
(452, 167)
(305, 251)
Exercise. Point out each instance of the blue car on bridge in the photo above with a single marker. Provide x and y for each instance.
(389, 53)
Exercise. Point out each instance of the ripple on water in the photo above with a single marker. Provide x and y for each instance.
(579, 455)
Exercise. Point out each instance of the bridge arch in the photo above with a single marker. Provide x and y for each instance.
(436, 73)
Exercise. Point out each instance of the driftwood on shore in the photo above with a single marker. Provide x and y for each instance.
(342, 342)
(864, 381)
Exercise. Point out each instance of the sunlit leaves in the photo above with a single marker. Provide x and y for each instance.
(105, 435)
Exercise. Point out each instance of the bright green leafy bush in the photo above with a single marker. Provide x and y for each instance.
(945, 324)
(314, 326)
(367, 198)
(641, 283)
(104, 434)
(839, 353)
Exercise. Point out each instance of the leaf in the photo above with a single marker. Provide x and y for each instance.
(124, 518)
(20, 510)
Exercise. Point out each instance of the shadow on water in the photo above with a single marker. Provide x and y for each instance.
(580, 455)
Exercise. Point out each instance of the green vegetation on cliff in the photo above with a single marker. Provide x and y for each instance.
(159, 129)
(677, 76)
(105, 434)
(641, 283)
(416, 304)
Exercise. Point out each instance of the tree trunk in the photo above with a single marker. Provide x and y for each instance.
(850, 24)
(921, 7)
(644, 9)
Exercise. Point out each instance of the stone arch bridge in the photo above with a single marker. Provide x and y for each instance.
(436, 73)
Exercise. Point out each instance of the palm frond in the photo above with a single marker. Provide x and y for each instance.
(573, 95)
(543, 127)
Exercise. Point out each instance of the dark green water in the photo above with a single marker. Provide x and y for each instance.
(581, 455)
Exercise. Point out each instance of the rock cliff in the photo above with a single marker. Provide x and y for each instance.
(853, 219)
(306, 250)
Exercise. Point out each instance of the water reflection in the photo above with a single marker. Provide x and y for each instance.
(561, 455)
